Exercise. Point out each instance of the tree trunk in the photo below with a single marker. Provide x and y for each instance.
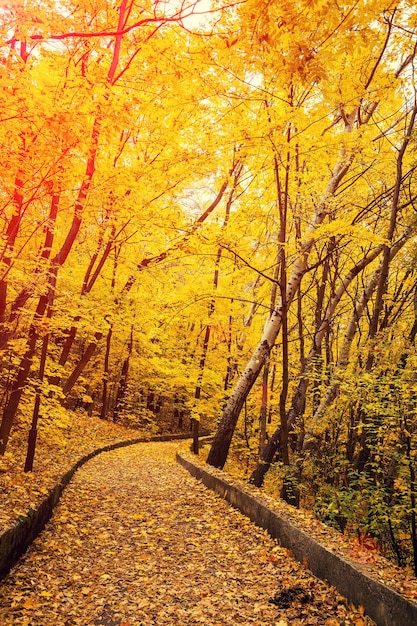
(231, 364)
(106, 374)
(10, 238)
(122, 387)
(17, 388)
(20, 381)
(82, 363)
(90, 278)
(274, 443)
(265, 379)
(264, 409)
(33, 433)
(223, 437)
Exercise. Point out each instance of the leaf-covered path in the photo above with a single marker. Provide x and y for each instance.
(137, 541)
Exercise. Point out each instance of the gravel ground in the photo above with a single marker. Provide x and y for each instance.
(135, 540)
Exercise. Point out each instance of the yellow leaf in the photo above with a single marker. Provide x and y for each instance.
(30, 603)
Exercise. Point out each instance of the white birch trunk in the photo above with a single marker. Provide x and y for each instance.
(223, 437)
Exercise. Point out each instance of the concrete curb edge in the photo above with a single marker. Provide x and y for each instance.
(384, 605)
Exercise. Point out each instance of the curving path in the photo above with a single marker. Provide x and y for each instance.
(135, 540)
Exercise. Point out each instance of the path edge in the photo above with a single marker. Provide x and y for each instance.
(381, 603)
(15, 540)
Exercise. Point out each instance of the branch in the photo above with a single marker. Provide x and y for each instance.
(384, 47)
(177, 17)
(272, 280)
(163, 255)
(407, 61)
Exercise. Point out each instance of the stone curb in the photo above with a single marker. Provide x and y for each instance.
(15, 540)
(384, 605)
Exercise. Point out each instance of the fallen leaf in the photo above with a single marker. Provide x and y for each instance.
(30, 603)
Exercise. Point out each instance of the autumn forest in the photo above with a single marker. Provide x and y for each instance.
(208, 217)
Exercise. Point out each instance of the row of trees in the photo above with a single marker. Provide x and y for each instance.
(205, 213)
(344, 310)
(99, 175)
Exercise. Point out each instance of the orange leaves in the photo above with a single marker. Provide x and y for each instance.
(167, 548)
(157, 546)
(30, 603)
(364, 550)
(409, 589)
(59, 449)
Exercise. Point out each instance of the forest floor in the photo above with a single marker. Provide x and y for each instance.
(298, 596)
(58, 449)
(135, 540)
